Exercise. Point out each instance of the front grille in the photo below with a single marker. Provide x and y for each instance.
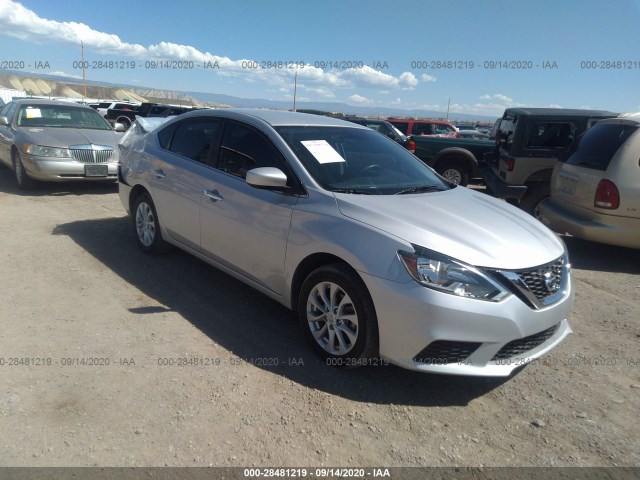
(442, 352)
(91, 153)
(544, 281)
(522, 345)
(540, 286)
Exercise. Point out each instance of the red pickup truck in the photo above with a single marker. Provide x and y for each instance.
(424, 127)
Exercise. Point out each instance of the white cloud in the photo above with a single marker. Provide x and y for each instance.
(319, 91)
(359, 99)
(25, 24)
(497, 96)
(63, 74)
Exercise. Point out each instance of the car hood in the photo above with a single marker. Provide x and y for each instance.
(63, 137)
(463, 224)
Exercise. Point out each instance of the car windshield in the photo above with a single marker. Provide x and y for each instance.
(359, 161)
(60, 116)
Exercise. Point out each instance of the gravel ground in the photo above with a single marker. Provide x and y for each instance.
(100, 324)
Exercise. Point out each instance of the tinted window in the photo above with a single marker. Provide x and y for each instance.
(357, 161)
(550, 135)
(193, 138)
(243, 148)
(166, 134)
(599, 145)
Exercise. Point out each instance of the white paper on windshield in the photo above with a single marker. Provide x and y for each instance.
(34, 113)
(322, 151)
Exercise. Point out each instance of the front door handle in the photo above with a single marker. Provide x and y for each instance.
(213, 195)
(158, 172)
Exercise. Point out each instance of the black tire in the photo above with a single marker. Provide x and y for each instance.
(454, 171)
(360, 345)
(535, 194)
(146, 226)
(24, 181)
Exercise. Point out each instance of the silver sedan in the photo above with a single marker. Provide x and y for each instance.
(56, 141)
(382, 259)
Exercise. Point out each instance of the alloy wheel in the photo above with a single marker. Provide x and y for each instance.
(332, 318)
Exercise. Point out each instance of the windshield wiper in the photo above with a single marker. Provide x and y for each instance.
(354, 191)
(421, 188)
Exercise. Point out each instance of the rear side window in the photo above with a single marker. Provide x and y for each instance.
(600, 144)
(439, 129)
(550, 135)
(193, 138)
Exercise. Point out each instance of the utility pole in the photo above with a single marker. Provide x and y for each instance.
(84, 76)
(448, 103)
(295, 89)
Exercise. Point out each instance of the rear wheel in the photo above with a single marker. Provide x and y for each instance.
(24, 181)
(534, 196)
(454, 171)
(146, 225)
(337, 316)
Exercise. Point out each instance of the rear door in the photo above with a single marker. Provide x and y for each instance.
(177, 174)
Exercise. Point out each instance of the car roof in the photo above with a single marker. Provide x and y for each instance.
(569, 112)
(275, 118)
(624, 119)
(39, 101)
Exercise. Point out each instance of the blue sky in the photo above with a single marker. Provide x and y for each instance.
(386, 38)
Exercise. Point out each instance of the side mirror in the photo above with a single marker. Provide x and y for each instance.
(267, 177)
(4, 121)
(119, 127)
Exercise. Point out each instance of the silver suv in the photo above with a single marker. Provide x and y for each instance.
(381, 258)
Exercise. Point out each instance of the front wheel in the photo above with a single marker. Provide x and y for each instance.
(337, 316)
(146, 225)
(24, 181)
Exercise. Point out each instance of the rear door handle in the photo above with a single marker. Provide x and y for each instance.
(158, 172)
(213, 195)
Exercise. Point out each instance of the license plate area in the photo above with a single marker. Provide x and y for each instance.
(96, 170)
(567, 184)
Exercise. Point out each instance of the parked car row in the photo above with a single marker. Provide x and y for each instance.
(379, 256)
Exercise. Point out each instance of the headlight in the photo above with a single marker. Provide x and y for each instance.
(44, 151)
(447, 275)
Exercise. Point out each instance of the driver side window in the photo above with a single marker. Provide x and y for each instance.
(243, 148)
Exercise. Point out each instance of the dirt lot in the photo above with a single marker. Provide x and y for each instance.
(100, 324)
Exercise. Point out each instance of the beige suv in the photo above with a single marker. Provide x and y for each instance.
(595, 195)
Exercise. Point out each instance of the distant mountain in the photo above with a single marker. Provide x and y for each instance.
(332, 107)
(110, 90)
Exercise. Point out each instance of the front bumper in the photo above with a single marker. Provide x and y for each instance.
(499, 188)
(63, 169)
(591, 225)
(412, 317)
